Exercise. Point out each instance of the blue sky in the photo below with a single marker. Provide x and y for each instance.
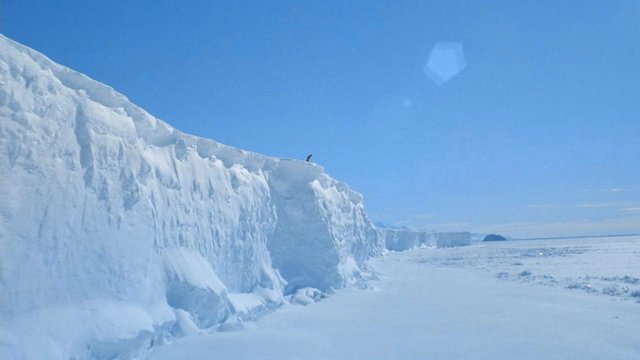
(538, 135)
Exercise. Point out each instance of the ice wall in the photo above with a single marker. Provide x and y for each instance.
(406, 239)
(451, 239)
(118, 230)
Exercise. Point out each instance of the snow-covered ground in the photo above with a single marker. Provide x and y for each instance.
(554, 299)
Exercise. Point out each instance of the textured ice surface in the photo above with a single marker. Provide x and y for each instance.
(606, 266)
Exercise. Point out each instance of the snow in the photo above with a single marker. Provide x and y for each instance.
(452, 303)
(111, 216)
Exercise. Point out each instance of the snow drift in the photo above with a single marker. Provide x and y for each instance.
(118, 231)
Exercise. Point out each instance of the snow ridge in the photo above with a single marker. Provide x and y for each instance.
(119, 231)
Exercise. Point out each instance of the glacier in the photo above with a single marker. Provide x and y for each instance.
(119, 232)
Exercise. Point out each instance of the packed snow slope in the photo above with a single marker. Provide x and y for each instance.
(119, 231)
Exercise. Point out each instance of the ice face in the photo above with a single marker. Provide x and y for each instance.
(105, 207)
(118, 231)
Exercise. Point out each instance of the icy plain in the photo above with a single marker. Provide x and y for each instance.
(553, 299)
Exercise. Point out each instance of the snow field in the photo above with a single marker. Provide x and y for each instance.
(447, 303)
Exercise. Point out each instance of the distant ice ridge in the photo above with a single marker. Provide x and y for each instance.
(118, 231)
(405, 239)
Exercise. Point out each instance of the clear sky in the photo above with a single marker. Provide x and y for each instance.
(538, 135)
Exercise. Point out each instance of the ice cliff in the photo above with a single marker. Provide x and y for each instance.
(405, 239)
(118, 231)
